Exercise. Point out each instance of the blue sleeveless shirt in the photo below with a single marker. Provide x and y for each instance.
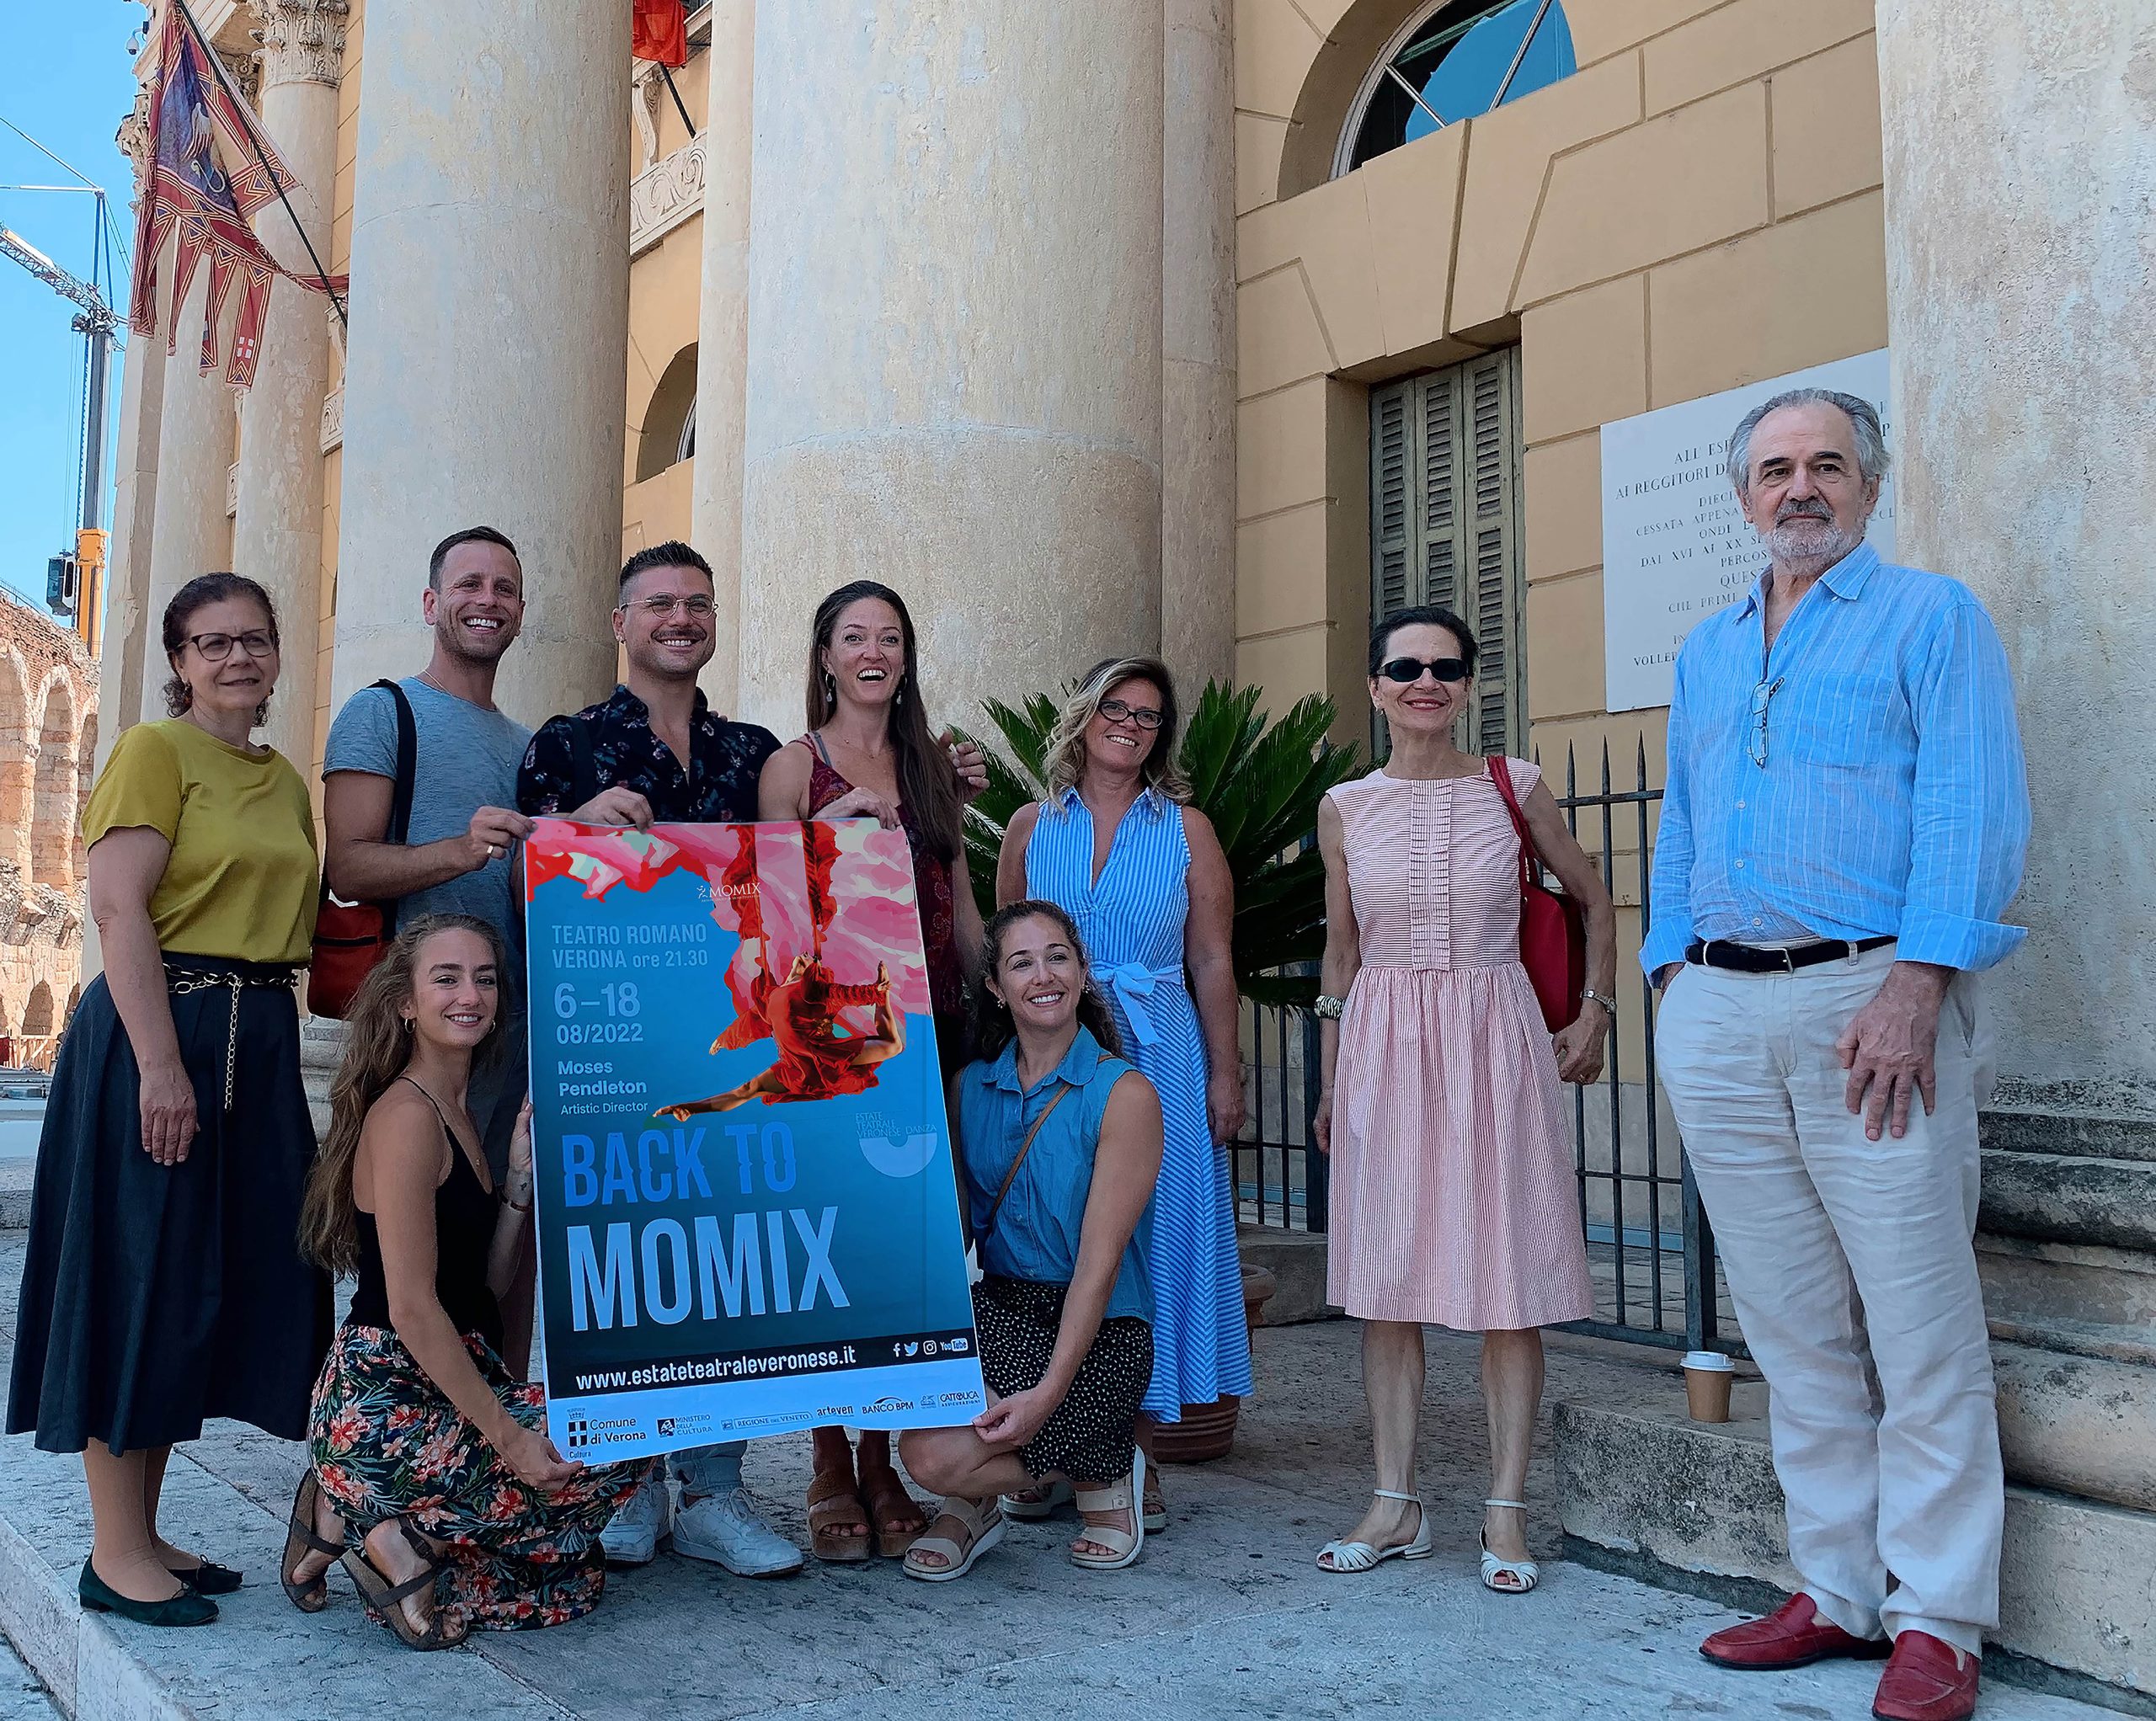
(1036, 1235)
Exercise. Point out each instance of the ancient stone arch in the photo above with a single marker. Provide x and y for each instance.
(38, 1014)
(85, 772)
(17, 762)
(55, 787)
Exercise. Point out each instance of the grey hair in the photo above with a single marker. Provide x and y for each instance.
(1872, 460)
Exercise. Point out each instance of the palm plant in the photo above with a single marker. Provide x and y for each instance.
(1258, 780)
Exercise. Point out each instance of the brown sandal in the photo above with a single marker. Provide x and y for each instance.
(887, 1498)
(388, 1599)
(829, 1497)
(300, 1540)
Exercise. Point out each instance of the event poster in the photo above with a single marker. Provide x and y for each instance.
(748, 1215)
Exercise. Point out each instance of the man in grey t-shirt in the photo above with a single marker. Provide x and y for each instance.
(458, 856)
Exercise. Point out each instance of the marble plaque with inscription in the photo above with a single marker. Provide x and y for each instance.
(1674, 548)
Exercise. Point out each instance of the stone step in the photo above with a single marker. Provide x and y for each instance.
(2026, 1125)
(1644, 1490)
(2029, 1281)
(2078, 1424)
(2069, 1198)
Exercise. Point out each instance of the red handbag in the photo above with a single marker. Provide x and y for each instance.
(1552, 928)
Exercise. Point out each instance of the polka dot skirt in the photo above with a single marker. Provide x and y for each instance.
(1088, 1438)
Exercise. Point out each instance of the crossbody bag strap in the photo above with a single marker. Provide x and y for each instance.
(583, 773)
(1009, 1177)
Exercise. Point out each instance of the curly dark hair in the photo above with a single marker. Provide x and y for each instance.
(199, 593)
(989, 1028)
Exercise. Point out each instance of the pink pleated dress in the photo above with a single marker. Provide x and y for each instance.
(1453, 1197)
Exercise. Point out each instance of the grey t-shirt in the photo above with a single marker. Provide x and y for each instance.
(467, 758)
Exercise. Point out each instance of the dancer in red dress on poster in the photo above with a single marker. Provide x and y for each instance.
(816, 1061)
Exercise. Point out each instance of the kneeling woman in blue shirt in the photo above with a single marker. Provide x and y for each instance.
(1061, 1143)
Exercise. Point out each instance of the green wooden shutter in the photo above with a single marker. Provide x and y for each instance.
(1445, 522)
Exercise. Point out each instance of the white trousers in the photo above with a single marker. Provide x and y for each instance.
(1854, 1277)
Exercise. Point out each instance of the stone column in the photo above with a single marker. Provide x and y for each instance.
(277, 530)
(954, 361)
(723, 331)
(1198, 344)
(487, 378)
(2019, 278)
(121, 664)
(190, 532)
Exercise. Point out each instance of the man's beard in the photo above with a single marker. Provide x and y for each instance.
(1805, 538)
(470, 647)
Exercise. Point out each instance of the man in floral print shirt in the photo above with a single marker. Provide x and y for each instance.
(654, 752)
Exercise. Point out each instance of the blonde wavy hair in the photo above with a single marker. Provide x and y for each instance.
(1066, 742)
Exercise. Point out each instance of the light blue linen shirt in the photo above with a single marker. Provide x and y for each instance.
(1893, 800)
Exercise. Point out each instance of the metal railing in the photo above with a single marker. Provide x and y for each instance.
(1278, 1175)
(1651, 1253)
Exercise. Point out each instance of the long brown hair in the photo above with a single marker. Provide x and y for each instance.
(989, 1026)
(928, 785)
(376, 1049)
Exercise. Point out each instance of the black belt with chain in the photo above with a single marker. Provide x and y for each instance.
(184, 980)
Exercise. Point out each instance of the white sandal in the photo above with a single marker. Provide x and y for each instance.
(1043, 1503)
(1524, 1572)
(1123, 1496)
(1360, 1557)
(983, 1526)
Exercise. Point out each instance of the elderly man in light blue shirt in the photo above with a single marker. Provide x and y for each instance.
(1842, 832)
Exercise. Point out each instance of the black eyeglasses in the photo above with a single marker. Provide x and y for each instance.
(1407, 671)
(1116, 711)
(215, 648)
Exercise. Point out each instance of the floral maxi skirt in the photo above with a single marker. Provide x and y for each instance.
(386, 1442)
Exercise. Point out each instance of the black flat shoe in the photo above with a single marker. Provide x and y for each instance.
(188, 1608)
(208, 1578)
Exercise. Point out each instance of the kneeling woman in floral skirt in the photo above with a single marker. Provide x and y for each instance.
(421, 1440)
(1061, 1141)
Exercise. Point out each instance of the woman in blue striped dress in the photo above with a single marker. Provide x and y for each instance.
(1144, 878)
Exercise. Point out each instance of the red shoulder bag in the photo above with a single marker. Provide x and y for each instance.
(1552, 928)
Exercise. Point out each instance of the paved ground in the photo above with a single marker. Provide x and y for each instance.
(1225, 1616)
(22, 1698)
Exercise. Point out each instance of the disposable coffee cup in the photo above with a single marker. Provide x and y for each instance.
(1708, 1377)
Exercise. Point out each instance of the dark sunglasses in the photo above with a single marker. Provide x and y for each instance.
(1407, 671)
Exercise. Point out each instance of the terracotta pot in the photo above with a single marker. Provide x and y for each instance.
(1208, 1431)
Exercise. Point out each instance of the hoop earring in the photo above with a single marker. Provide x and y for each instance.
(409, 1023)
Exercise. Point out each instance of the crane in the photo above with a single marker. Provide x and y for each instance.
(74, 582)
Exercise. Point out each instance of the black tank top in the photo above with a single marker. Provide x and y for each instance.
(465, 1214)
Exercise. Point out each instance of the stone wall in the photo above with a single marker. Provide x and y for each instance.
(48, 740)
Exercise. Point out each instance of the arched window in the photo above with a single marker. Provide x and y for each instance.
(669, 435)
(1452, 60)
(37, 1013)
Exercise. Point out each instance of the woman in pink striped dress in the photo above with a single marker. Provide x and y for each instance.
(1453, 1199)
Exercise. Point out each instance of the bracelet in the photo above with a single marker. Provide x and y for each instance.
(1329, 1008)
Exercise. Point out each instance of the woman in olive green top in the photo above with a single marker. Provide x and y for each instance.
(163, 1283)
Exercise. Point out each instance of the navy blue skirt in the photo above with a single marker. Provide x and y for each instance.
(154, 1296)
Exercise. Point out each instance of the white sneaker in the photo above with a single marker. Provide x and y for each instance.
(633, 1536)
(724, 1529)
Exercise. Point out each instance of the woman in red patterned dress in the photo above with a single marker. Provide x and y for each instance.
(870, 753)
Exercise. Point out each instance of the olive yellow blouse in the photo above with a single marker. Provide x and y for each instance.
(241, 882)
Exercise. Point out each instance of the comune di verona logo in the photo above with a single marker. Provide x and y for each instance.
(584, 1432)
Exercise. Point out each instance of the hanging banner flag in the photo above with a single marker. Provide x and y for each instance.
(660, 31)
(210, 170)
(747, 1204)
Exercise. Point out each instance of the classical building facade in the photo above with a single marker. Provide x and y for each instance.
(1211, 327)
(48, 742)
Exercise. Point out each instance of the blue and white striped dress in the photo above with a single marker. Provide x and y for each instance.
(1132, 921)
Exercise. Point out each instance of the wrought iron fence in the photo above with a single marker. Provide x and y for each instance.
(1650, 1251)
(1277, 1172)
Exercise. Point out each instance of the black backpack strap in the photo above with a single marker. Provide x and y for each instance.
(399, 830)
(584, 775)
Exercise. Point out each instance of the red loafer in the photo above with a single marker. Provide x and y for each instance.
(1796, 1634)
(1926, 1680)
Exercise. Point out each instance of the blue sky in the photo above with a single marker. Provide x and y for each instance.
(66, 79)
